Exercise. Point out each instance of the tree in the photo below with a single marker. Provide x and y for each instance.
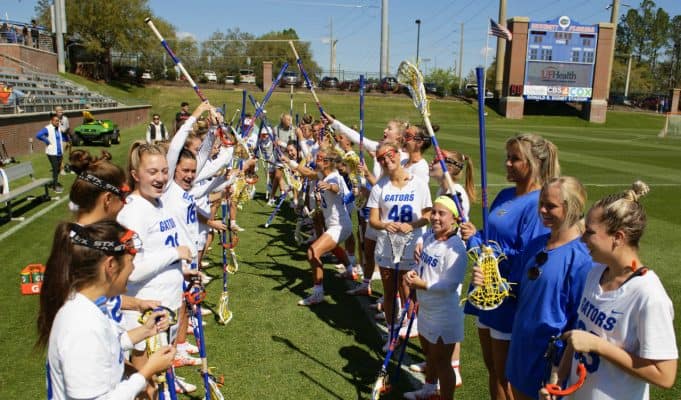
(101, 26)
(444, 78)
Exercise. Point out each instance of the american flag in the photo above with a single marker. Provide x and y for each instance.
(499, 31)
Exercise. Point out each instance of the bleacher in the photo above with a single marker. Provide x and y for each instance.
(43, 92)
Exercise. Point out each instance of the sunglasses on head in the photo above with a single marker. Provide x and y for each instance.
(408, 137)
(389, 154)
(535, 272)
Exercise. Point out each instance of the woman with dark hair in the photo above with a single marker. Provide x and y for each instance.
(88, 265)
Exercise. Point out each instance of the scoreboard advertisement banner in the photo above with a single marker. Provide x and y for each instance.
(560, 60)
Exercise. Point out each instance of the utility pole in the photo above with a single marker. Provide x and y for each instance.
(614, 14)
(418, 39)
(59, 24)
(461, 59)
(501, 51)
(384, 67)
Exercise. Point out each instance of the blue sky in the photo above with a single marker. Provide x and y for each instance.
(356, 24)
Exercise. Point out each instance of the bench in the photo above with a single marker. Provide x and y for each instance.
(11, 174)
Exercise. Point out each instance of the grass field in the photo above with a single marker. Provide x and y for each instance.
(275, 349)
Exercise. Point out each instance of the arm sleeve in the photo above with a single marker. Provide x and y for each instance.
(65, 123)
(176, 146)
(209, 169)
(656, 325)
(148, 133)
(42, 136)
(353, 135)
(575, 286)
(452, 276)
(202, 190)
(204, 150)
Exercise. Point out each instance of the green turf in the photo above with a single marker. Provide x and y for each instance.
(275, 349)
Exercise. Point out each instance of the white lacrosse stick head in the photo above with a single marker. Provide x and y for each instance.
(410, 76)
(398, 243)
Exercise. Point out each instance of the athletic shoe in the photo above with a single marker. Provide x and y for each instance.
(357, 270)
(271, 203)
(182, 386)
(360, 291)
(426, 392)
(62, 172)
(184, 359)
(205, 279)
(236, 228)
(339, 268)
(188, 348)
(205, 264)
(418, 367)
(414, 330)
(58, 188)
(314, 298)
(205, 311)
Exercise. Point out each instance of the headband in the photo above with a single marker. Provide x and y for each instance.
(128, 243)
(449, 204)
(121, 192)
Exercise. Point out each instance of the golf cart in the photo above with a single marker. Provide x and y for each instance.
(104, 131)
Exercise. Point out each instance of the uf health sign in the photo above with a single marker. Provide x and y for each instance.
(560, 60)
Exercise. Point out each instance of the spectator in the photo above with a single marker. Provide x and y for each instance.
(156, 131)
(24, 35)
(65, 129)
(182, 115)
(35, 34)
(4, 32)
(5, 92)
(51, 136)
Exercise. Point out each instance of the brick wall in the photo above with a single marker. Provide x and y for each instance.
(16, 130)
(39, 60)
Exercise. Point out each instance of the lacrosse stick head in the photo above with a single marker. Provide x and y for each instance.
(232, 263)
(409, 75)
(398, 243)
(224, 313)
(381, 386)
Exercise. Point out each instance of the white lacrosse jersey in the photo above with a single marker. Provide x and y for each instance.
(443, 265)
(181, 205)
(333, 206)
(638, 317)
(419, 169)
(404, 204)
(157, 274)
(85, 354)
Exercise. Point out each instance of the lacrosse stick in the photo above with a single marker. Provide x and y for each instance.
(194, 295)
(259, 111)
(307, 78)
(410, 76)
(154, 343)
(280, 201)
(553, 356)
(412, 317)
(398, 243)
(224, 313)
(495, 288)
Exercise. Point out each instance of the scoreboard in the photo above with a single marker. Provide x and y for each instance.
(560, 60)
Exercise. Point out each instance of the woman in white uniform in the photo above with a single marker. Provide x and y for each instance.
(437, 279)
(398, 203)
(88, 265)
(332, 191)
(625, 327)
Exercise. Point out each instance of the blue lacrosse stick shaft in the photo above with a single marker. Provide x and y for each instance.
(280, 201)
(176, 60)
(479, 73)
(265, 99)
(361, 119)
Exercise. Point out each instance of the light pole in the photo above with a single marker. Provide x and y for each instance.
(418, 39)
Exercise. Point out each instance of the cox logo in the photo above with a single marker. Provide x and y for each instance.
(580, 92)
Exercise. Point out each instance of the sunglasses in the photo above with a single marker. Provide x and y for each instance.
(325, 159)
(389, 154)
(535, 272)
(408, 137)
